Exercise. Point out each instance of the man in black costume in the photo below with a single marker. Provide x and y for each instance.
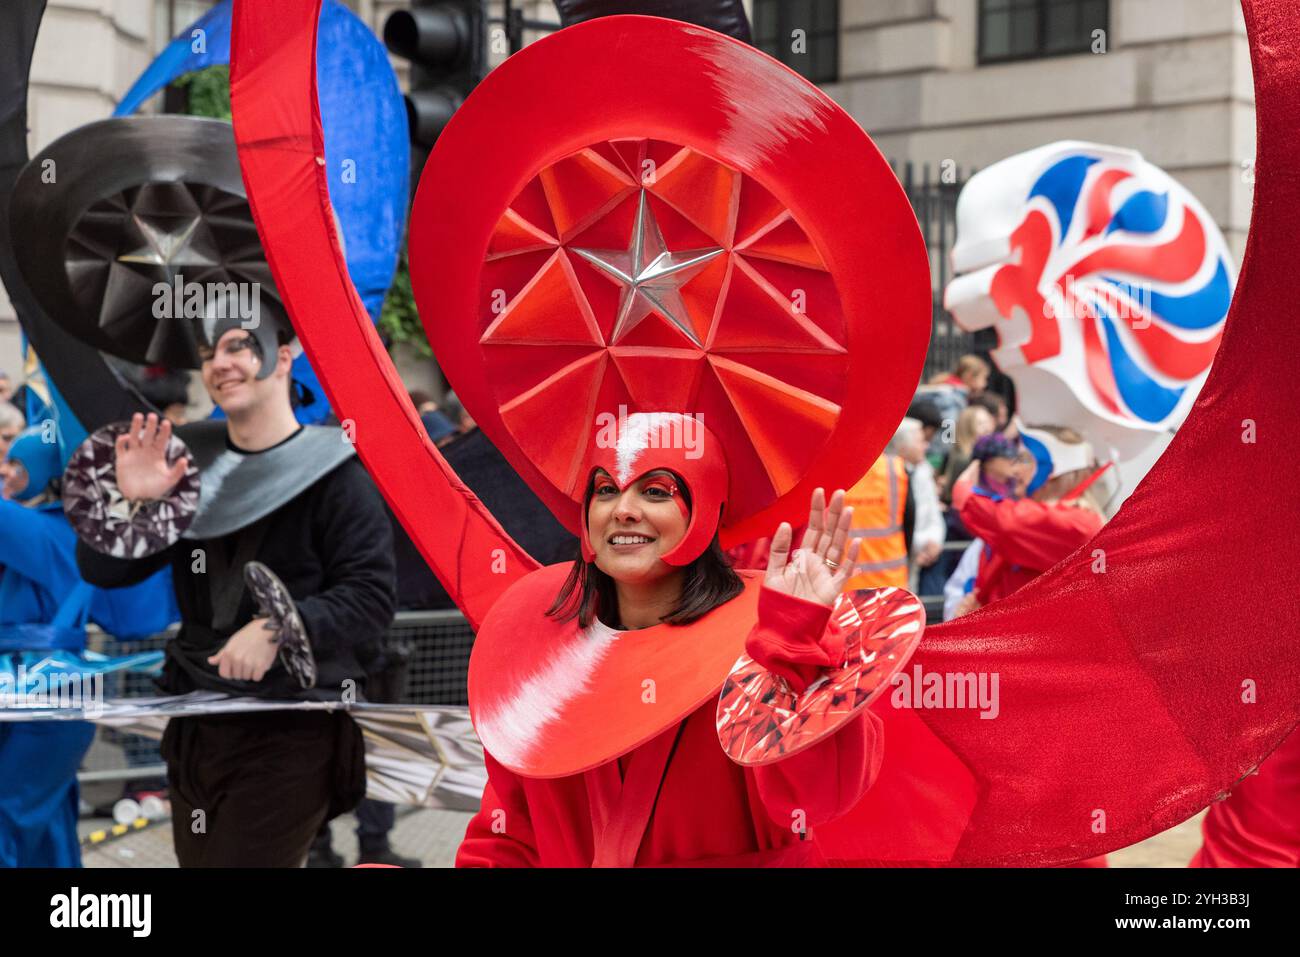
(252, 789)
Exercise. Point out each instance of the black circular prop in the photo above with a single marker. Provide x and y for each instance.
(95, 391)
(276, 604)
(132, 229)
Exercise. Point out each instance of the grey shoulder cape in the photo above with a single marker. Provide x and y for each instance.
(236, 489)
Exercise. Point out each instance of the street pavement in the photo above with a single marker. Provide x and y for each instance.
(428, 835)
(432, 837)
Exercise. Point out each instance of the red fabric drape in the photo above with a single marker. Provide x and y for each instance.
(1132, 698)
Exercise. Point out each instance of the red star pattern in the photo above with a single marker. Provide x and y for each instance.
(714, 300)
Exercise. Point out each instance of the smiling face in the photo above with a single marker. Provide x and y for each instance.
(633, 528)
(230, 373)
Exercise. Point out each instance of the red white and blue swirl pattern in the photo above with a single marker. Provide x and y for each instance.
(1137, 263)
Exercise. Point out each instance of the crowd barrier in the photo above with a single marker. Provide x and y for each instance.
(436, 643)
(437, 646)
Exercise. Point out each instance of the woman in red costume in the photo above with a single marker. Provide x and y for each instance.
(654, 572)
(700, 229)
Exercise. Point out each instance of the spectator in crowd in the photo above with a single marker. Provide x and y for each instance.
(439, 427)
(970, 377)
(957, 589)
(1024, 536)
(12, 422)
(973, 423)
(456, 414)
(928, 531)
(437, 424)
(926, 411)
(422, 401)
(6, 386)
(997, 407)
(879, 503)
(950, 392)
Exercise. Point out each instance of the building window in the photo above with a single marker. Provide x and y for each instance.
(1024, 29)
(802, 34)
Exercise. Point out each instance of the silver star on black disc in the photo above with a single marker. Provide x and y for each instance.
(167, 247)
(651, 277)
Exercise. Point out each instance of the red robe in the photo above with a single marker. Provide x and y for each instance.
(709, 812)
(1026, 537)
(1259, 823)
(678, 800)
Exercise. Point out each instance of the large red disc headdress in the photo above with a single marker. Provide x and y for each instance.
(639, 215)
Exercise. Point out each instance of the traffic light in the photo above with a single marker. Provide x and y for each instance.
(446, 44)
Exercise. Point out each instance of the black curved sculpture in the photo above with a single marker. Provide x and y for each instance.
(93, 390)
(725, 16)
(155, 201)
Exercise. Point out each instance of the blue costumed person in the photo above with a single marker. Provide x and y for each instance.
(44, 608)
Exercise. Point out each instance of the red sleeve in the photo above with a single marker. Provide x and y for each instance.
(1029, 533)
(961, 492)
(501, 833)
(791, 639)
(825, 781)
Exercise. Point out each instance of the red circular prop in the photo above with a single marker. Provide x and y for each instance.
(638, 214)
(761, 721)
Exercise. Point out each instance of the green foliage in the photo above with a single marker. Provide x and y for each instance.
(398, 321)
(209, 95)
(209, 91)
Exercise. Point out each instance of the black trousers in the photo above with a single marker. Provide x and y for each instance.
(251, 790)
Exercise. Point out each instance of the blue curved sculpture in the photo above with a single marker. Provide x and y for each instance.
(367, 149)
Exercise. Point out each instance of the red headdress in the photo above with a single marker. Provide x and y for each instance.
(642, 442)
(723, 242)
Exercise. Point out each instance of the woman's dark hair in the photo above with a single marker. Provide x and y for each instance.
(710, 581)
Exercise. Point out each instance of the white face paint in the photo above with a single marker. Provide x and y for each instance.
(655, 430)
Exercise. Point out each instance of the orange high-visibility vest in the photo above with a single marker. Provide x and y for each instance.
(878, 501)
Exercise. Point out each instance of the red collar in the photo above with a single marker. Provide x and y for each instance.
(549, 699)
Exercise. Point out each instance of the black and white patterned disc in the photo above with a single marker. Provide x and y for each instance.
(275, 604)
(109, 522)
